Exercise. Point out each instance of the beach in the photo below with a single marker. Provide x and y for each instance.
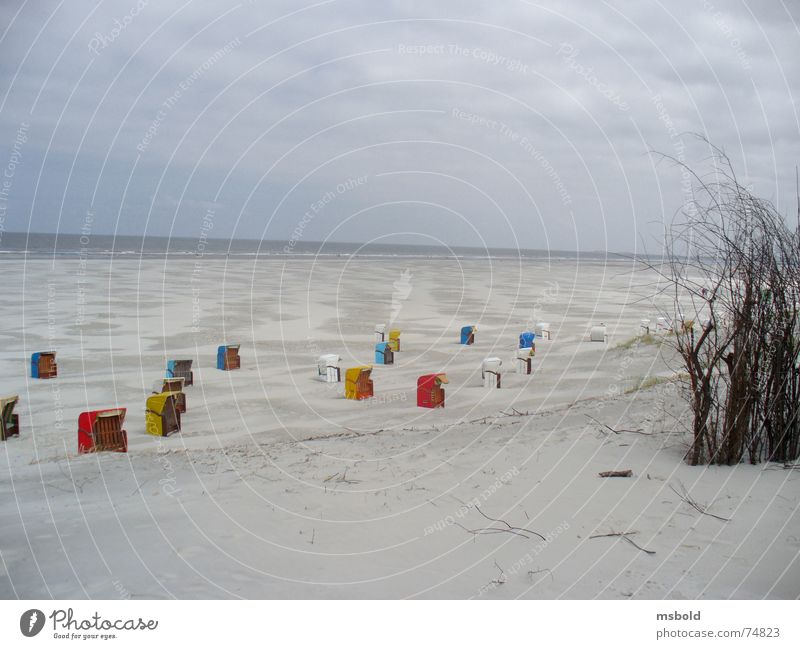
(279, 487)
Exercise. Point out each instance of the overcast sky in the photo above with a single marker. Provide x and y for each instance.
(514, 123)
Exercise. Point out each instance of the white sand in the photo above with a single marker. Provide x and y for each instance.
(279, 487)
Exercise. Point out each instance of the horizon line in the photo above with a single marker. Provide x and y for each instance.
(343, 243)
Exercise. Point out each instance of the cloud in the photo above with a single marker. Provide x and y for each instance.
(149, 110)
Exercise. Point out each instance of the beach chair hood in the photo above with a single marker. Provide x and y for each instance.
(95, 435)
(468, 334)
(158, 402)
(9, 422)
(327, 360)
(383, 354)
(491, 364)
(430, 393)
(5, 401)
(222, 356)
(357, 382)
(48, 359)
(162, 415)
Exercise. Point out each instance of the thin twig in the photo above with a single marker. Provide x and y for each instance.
(490, 530)
(624, 535)
(617, 431)
(531, 573)
(685, 497)
(511, 527)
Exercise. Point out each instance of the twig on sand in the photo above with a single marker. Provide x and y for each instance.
(502, 578)
(508, 529)
(516, 413)
(55, 486)
(341, 478)
(617, 431)
(344, 478)
(141, 484)
(490, 530)
(482, 420)
(350, 434)
(531, 573)
(685, 497)
(626, 536)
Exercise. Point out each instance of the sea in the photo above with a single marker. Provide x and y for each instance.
(48, 245)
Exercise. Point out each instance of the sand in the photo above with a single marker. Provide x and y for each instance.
(278, 487)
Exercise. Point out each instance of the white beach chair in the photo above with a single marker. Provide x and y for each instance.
(598, 334)
(490, 372)
(328, 368)
(542, 330)
(523, 360)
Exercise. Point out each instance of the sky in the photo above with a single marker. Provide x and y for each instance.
(550, 125)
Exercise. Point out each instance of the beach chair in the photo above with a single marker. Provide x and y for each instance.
(598, 334)
(101, 430)
(644, 326)
(43, 365)
(490, 372)
(542, 329)
(394, 340)
(357, 383)
(523, 359)
(384, 354)
(662, 324)
(9, 422)
(380, 333)
(175, 385)
(468, 334)
(182, 369)
(430, 393)
(162, 416)
(228, 357)
(328, 369)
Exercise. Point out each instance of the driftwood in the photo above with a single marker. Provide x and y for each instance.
(627, 473)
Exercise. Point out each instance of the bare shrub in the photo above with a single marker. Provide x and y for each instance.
(732, 266)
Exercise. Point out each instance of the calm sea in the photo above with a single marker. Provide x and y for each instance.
(41, 245)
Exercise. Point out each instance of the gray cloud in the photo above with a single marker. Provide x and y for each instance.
(474, 122)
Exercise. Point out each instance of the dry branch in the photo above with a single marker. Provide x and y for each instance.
(508, 529)
(617, 431)
(685, 497)
(626, 536)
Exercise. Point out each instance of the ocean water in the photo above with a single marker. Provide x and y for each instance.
(44, 245)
